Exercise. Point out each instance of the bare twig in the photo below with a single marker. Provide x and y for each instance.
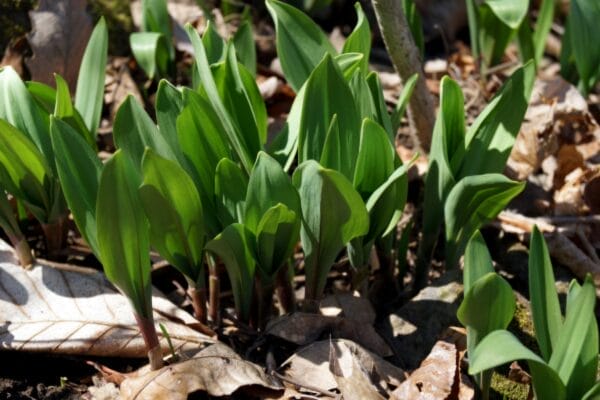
(405, 56)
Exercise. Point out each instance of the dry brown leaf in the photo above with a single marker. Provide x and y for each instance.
(349, 306)
(59, 35)
(65, 309)
(304, 328)
(591, 194)
(310, 366)
(119, 84)
(217, 370)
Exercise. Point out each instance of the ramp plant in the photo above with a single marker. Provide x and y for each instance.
(9, 224)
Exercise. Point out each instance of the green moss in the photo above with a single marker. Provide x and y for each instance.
(504, 388)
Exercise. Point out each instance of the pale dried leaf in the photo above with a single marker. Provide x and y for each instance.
(65, 309)
(349, 306)
(217, 370)
(310, 365)
(59, 35)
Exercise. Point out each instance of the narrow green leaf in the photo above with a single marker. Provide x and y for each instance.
(593, 393)
(245, 47)
(584, 30)
(473, 201)
(494, 36)
(231, 185)
(542, 28)
(43, 94)
(332, 214)
(349, 63)
(169, 104)
(382, 117)
(414, 22)
(156, 18)
(172, 206)
(18, 107)
(8, 220)
(89, 94)
(213, 43)
(64, 110)
(365, 103)
(268, 186)
(545, 309)
(510, 12)
(403, 99)
(478, 261)
(301, 44)
(235, 247)
(79, 171)
(359, 40)
(123, 238)
(151, 52)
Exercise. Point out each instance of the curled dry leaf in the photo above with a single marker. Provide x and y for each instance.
(65, 309)
(59, 34)
(304, 328)
(216, 370)
(310, 366)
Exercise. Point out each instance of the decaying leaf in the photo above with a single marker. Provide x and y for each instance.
(349, 306)
(217, 370)
(65, 309)
(59, 35)
(310, 366)
(304, 328)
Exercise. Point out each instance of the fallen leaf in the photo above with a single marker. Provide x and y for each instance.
(118, 85)
(591, 194)
(304, 328)
(310, 366)
(216, 370)
(59, 35)
(349, 306)
(65, 309)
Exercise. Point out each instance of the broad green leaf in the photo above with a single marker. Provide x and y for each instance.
(510, 12)
(245, 47)
(169, 103)
(231, 185)
(134, 130)
(63, 109)
(542, 28)
(382, 116)
(332, 214)
(365, 103)
(277, 234)
(525, 42)
(213, 43)
(403, 99)
(301, 44)
(242, 101)
(234, 246)
(414, 22)
(235, 137)
(79, 171)
(473, 201)
(477, 262)
(156, 18)
(489, 140)
(359, 40)
(545, 309)
(584, 374)
(593, 393)
(151, 52)
(24, 171)
(325, 95)
(501, 347)
(268, 186)
(494, 36)
(172, 206)
(18, 107)
(349, 63)
(332, 156)
(573, 334)
(123, 239)
(43, 94)
(584, 30)
(89, 94)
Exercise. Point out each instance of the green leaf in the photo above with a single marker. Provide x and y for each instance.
(494, 36)
(349, 63)
(169, 104)
(156, 18)
(79, 171)
(365, 103)
(8, 220)
(490, 138)
(332, 214)
(573, 335)
(414, 22)
(325, 95)
(151, 52)
(584, 30)
(268, 186)
(545, 309)
(478, 261)
(245, 47)
(277, 234)
(24, 171)
(381, 114)
(510, 12)
(593, 393)
(403, 100)
(301, 44)
(213, 44)
(172, 206)
(359, 40)
(231, 186)
(134, 130)
(236, 138)
(18, 107)
(64, 110)
(235, 247)
(89, 94)
(43, 94)
(472, 202)
(123, 238)
(501, 347)
(542, 28)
